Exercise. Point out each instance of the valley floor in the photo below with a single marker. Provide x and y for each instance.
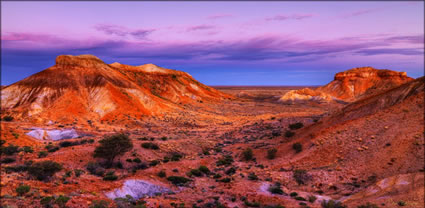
(254, 157)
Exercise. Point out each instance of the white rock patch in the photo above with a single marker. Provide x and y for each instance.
(137, 189)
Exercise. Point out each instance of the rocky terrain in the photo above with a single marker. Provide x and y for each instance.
(350, 85)
(84, 133)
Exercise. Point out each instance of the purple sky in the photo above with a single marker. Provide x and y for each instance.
(219, 43)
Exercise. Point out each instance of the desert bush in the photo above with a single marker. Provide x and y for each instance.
(247, 154)
(62, 200)
(194, 172)
(27, 149)
(51, 148)
(275, 189)
(44, 169)
(289, 133)
(164, 138)
(70, 143)
(226, 160)
(42, 154)
(296, 125)
(312, 198)
(293, 194)
(17, 168)
(271, 153)
(94, 168)
(368, 205)
(8, 160)
(23, 189)
(301, 176)
(401, 203)
(10, 150)
(300, 198)
(137, 160)
(113, 146)
(2, 142)
(8, 118)
(298, 147)
(230, 171)
(150, 145)
(99, 204)
(252, 204)
(332, 204)
(78, 172)
(252, 177)
(204, 169)
(178, 180)
(224, 180)
(154, 163)
(175, 156)
(47, 201)
(110, 176)
(162, 174)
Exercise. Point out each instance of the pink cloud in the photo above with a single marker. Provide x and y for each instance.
(219, 16)
(200, 27)
(283, 17)
(123, 31)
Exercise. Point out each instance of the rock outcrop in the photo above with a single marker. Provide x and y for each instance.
(351, 85)
(84, 87)
(136, 189)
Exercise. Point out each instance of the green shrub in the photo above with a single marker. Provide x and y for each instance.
(70, 143)
(99, 204)
(51, 148)
(301, 176)
(10, 150)
(8, 118)
(368, 205)
(293, 194)
(175, 156)
(289, 133)
(296, 125)
(299, 198)
(46, 201)
(78, 172)
(62, 200)
(252, 177)
(137, 160)
(224, 180)
(178, 180)
(247, 154)
(17, 168)
(110, 176)
(23, 189)
(42, 154)
(162, 174)
(230, 171)
(275, 189)
(95, 169)
(298, 147)
(2, 142)
(194, 172)
(150, 145)
(252, 204)
(8, 160)
(113, 146)
(226, 160)
(27, 149)
(204, 169)
(312, 198)
(154, 163)
(164, 138)
(332, 204)
(271, 153)
(401, 203)
(44, 169)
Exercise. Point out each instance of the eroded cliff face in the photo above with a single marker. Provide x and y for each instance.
(86, 87)
(352, 85)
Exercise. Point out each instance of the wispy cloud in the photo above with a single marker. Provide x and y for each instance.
(219, 16)
(283, 17)
(359, 12)
(123, 31)
(200, 27)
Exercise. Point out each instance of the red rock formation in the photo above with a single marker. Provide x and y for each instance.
(86, 87)
(352, 85)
